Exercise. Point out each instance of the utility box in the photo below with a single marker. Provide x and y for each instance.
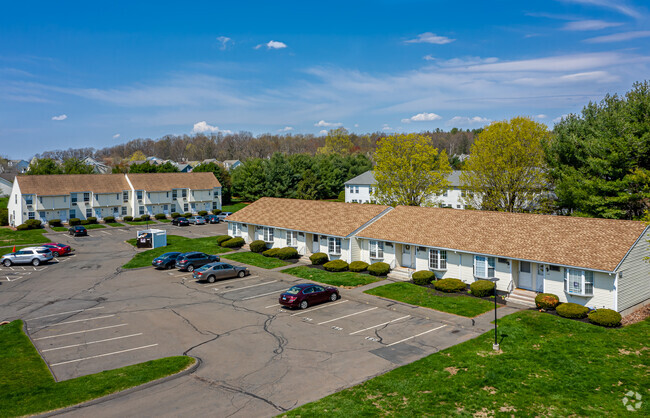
(152, 238)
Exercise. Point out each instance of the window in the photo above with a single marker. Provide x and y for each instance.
(86, 197)
(184, 193)
(139, 194)
(376, 249)
(28, 199)
(125, 196)
(73, 213)
(445, 193)
(334, 245)
(554, 268)
(148, 195)
(73, 198)
(236, 229)
(185, 207)
(31, 215)
(579, 282)
(89, 212)
(123, 210)
(41, 215)
(65, 199)
(483, 266)
(174, 194)
(165, 208)
(166, 194)
(214, 206)
(141, 210)
(292, 238)
(117, 196)
(173, 208)
(40, 200)
(268, 234)
(356, 189)
(354, 200)
(437, 259)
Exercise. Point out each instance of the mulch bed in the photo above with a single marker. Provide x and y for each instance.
(320, 267)
(636, 316)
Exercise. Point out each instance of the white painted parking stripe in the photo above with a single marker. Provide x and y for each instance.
(80, 332)
(80, 320)
(259, 296)
(238, 280)
(417, 335)
(104, 355)
(320, 307)
(64, 313)
(91, 342)
(379, 325)
(271, 306)
(346, 316)
(247, 287)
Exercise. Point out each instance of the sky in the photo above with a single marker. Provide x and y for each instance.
(97, 74)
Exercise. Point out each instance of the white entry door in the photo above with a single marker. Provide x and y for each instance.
(315, 246)
(525, 275)
(406, 256)
(539, 280)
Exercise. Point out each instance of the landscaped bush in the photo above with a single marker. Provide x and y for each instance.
(216, 212)
(379, 269)
(187, 215)
(482, 288)
(33, 223)
(77, 221)
(85, 222)
(271, 252)
(336, 265)
(4, 216)
(108, 219)
(450, 285)
(546, 301)
(572, 310)
(287, 253)
(423, 277)
(126, 218)
(22, 227)
(237, 242)
(175, 215)
(318, 258)
(145, 217)
(137, 219)
(605, 317)
(258, 246)
(91, 220)
(358, 266)
(160, 216)
(223, 238)
(55, 222)
(203, 212)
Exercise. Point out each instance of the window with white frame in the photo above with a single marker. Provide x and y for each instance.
(214, 206)
(184, 192)
(141, 210)
(138, 194)
(579, 282)
(174, 194)
(185, 207)
(268, 234)
(292, 238)
(31, 215)
(29, 199)
(89, 212)
(173, 207)
(483, 266)
(356, 189)
(73, 198)
(236, 229)
(376, 249)
(125, 196)
(123, 210)
(86, 197)
(334, 245)
(437, 259)
(73, 213)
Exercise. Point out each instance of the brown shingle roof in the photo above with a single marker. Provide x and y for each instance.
(60, 184)
(327, 218)
(168, 181)
(598, 244)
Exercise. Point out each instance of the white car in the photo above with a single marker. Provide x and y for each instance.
(223, 215)
(30, 255)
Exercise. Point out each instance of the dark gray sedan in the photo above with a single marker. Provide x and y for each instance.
(217, 271)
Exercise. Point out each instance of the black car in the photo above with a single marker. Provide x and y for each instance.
(190, 261)
(212, 219)
(78, 230)
(180, 221)
(166, 261)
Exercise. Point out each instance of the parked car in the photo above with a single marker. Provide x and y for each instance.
(308, 294)
(213, 271)
(166, 261)
(223, 215)
(57, 248)
(213, 219)
(30, 255)
(197, 220)
(78, 230)
(192, 260)
(180, 221)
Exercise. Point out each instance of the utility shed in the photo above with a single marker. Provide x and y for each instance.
(152, 238)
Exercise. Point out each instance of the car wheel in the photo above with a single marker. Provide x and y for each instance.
(304, 304)
(55, 254)
(211, 279)
(190, 268)
(333, 297)
(241, 273)
(7, 263)
(36, 262)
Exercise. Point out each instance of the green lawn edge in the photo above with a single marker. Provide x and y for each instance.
(178, 243)
(10, 237)
(255, 259)
(344, 278)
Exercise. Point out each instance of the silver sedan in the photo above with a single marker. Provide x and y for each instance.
(213, 271)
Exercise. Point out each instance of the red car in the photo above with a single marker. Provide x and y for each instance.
(307, 294)
(57, 248)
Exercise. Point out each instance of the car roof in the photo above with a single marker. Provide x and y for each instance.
(192, 252)
(33, 248)
(169, 253)
(304, 285)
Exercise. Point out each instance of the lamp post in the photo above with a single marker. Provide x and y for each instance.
(495, 346)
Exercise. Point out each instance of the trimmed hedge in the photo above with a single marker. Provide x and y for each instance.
(203, 212)
(287, 253)
(128, 218)
(109, 219)
(450, 285)
(605, 317)
(187, 215)
(423, 277)
(85, 222)
(145, 217)
(318, 258)
(55, 222)
(160, 216)
(271, 252)
(358, 266)
(258, 246)
(175, 215)
(546, 301)
(223, 238)
(33, 224)
(336, 265)
(77, 221)
(216, 212)
(234, 243)
(572, 310)
(379, 269)
(91, 220)
(482, 288)
(137, 219)
(22, 227)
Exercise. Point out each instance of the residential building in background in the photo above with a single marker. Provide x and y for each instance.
(231, 164)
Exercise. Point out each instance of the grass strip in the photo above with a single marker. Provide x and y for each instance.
(94, 226)
(30, 236)
(207, 245)
(255, 259)
(344, 278)
(114, 224)
(59, 228)
(234, 206)
(140, 222)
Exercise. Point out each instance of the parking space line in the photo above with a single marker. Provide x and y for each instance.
(91, 342)
(346, 316)
(64, 313)
(379, 325)
(80, 332)
(103, 355)
(238, 280)
(320, 307)
(417, 335)
(271, 306)
(259, 296)
(247, 287)
(79, 320)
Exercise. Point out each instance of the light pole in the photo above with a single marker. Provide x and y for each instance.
(495, 346)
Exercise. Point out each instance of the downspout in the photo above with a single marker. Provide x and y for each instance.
(615, 305)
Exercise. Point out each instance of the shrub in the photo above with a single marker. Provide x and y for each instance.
(33, 223)
(91, 220)
(271, 252)
(175, 215)
(109, 219)
(187, 215)
(318, 258)
(546, 301)
(336, 265)
(379, 269)
(216, 212)
(358, 266)
(572, 310)
(77, 221)
(203, 212)
(160, 216)
(85, 222)
(605, 317)
(234, 243)
(482, 288)
(55, 222)
(450, 285)
(126, 218)
(22, 227)
(145, 217)
(258, 246)
(287, 253)
(4, 216)
(223, 238)
(341, 197)
(423, 277)
(137, 219)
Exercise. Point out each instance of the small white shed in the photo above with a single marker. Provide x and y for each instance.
(152, 238)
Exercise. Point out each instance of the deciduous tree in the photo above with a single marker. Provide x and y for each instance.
(337, 142)
(44, 166)
(76, 166)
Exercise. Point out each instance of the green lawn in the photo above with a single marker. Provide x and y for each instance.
(94, 226)
(140, 222)
(59, 228)
(549, 366)
(30, 236)
(207, 245)
(114, 224)
(9, 250)
(255, 259)
(417, 295)
(166, 221)
(234, 206)
(345, 278)
(27, 387)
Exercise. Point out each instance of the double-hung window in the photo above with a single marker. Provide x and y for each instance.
(73, 198)
(292, 238)
(214, 206)
(123, 210)
(125, 196)
(184, 193)
(89, 212)
(268, 234)
(334, 245)
(236, 229)
(483, 267)
(437, 259)
(29, 199)
(579, 282)
(138, 194)
(86, 197)
(174, 194)
(376, 249)
(31, 215)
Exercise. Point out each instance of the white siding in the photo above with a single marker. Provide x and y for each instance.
(351, 196)
(603, 290)
(634, 285)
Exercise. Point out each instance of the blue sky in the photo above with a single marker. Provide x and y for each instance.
(91, 74)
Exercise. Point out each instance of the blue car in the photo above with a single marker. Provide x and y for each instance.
(165, 261)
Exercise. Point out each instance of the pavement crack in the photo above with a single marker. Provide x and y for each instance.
(233, 389)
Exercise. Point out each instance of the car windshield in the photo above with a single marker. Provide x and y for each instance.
(169, 255)
(293, 291)
(204, 268)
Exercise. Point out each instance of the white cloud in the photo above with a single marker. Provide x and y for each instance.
(429, 57)
(223, 41)
(203, 127)
(430, 38)
(541, 116)
(558, 63)
(583, 25)
(116, 136)
(559, 118)
(619, 37)
(588, 77)
(286, 129)
(322, 123)
(422, 117)
(60, 117)
(617, 5)
(323, 132)
(356, 125)
(272, 45)
(466, 121)
(386, 128)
